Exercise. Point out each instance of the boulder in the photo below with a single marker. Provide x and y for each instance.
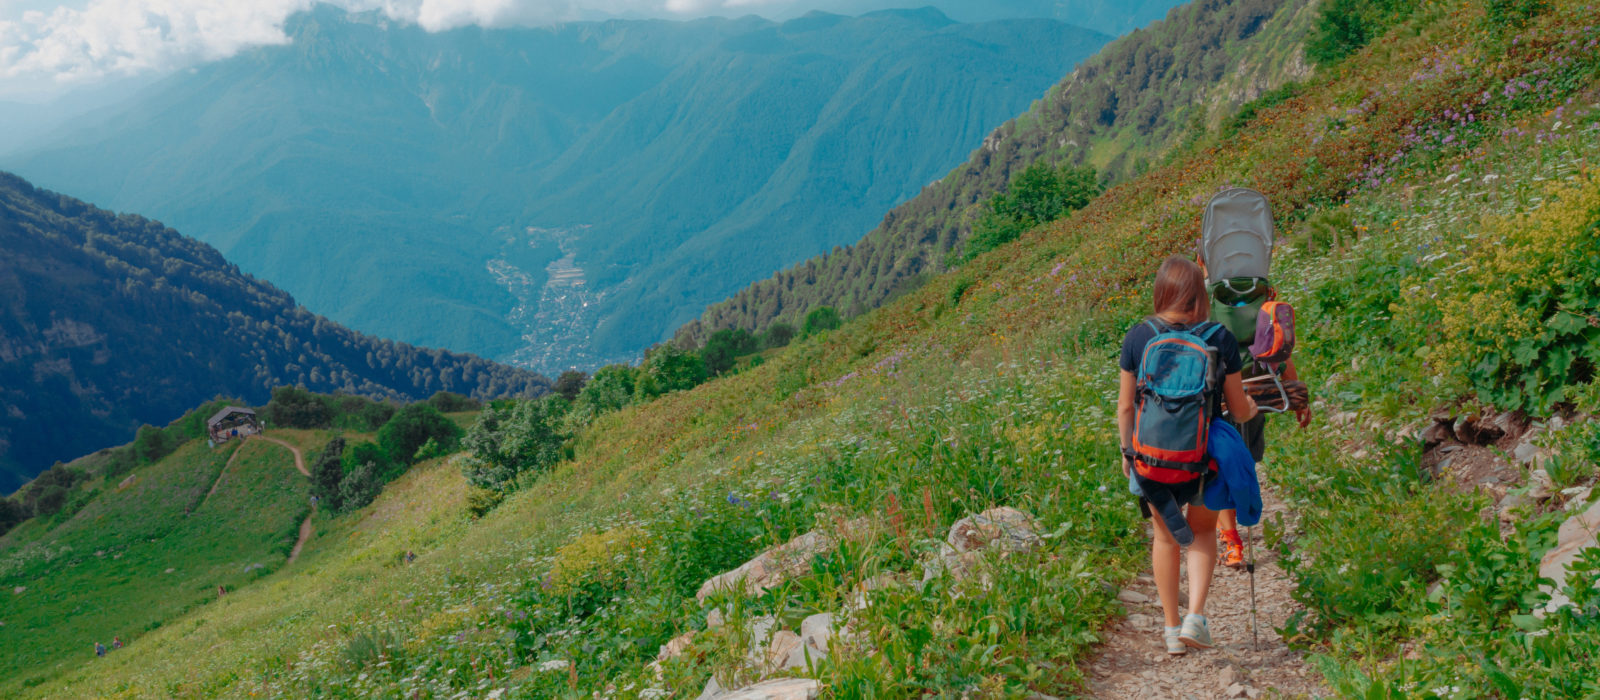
(779, 689)
(714, 619)
(1540, 486)
(774, 566)
(1525, 453)
(1009, 529)
(1576, 497)
(780, 653)
(1577, 533)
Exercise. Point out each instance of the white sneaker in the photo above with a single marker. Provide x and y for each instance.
(1175, 646)
(1196, 632)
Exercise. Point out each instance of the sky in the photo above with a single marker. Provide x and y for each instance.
(47, 48)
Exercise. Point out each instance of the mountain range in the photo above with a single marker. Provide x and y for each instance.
(110, 321)
(557, 196)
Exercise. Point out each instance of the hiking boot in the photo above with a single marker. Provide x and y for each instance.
(1196, 632)
(1232, 553)
(1175, 645)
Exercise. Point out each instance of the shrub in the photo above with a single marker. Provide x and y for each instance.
(668, 368)
(481, 501)
(822, 318)
(360, 413)
(368, 453)
(1039, 194)
(725, 347)
(150, 444)
(294, 407)
(447, 402)
(12, 514)
(412, 427)
(327, 472)
(506, 443)
(777, 335)
(359, 487)
(570, 384)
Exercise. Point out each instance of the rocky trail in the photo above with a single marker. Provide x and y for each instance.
(1133, 662)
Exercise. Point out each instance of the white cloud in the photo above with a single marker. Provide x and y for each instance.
(105, 38)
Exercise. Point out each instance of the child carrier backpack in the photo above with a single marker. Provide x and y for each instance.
(1178, 378)
(1236, 244)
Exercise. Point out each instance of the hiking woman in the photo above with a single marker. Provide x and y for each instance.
(1180, 304)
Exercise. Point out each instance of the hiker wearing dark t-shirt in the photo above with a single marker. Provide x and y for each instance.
(1180, 304)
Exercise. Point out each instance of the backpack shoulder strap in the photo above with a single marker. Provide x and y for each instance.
(1206, 330)
(1156, 324)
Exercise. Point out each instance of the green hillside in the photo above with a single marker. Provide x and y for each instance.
(1120, 111)
(1439, 207)
(436, 176)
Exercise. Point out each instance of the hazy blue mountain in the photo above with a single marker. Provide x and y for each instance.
(111, 321)
(1106, 17)
(569, 193)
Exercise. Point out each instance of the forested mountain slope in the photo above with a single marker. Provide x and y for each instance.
(1120, 111)
(111, 321)
(658, 166)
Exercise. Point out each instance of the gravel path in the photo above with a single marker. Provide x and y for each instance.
(1133, 662)
(305, 527)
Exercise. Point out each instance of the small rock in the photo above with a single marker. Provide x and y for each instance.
(712, 689)
(817, 630)
(1235, 691)
(1444, 465)
(675, 647)
(1447, 449)
(1525, 453)
(1577, 497)
(19, 590)
(170, 570)
(1437, 434)
(1128, 595)
(1140, 621)
(1360, 454)
(1007, 528)
(1540, 486)
(714, 619)
(784, 644)
(1557, 423)
(555, 665)
(1253, 693)
(1229, 676)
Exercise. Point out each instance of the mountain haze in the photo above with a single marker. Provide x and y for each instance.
(111, 321)
(556, 196)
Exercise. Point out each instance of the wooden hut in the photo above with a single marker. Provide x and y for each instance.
(232, 422)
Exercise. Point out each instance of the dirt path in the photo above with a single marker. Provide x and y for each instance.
(220, 474)
(305, 527)
(1133, 662)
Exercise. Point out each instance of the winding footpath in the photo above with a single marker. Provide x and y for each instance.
(1133, 662)
(305, 527)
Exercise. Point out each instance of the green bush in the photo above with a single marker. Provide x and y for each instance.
(570, 384)
(724, 347)
(822, 318)
(506, 443)
(294, 407)
(359, 487)
(777, 335)
(1039, 194)
(447, 402)
(326, 473)
(668, 368)
(413, 427)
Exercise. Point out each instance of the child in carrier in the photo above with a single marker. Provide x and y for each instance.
(1178, 371)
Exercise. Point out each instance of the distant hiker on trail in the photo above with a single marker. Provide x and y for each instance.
(222, 591)
(1237, 234)
(116, 643)
(99, 649)
(410, 556)
(1178, 370)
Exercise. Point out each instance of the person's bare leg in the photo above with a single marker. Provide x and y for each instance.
(1227, 519)
(1164, 565)
(1202, 556)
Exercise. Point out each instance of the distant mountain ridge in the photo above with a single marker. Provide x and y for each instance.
(1119, 111)
(558, 196)
(110, 321)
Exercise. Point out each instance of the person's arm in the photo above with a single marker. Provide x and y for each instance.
(1302, 414)
(1125, 409)
(1240, 406)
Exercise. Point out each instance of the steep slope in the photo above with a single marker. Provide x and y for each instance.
(1394, 177)
(110, 321)
(437, 177)
(1119, 111)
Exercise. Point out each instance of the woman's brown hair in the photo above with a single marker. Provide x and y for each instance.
(1181, 289)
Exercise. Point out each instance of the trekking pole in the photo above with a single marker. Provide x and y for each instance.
(1250, 566)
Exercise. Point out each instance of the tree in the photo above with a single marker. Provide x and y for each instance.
(369, 453)
(1037, 195)
(150, 444)
(508, 442)
(327, 472)
(724, 347)
(668, 368)
(570, 384)
(294, 407)
(448, 402)
(48, 499)
(359, 487)
(778, 335)
(822, 318)
(413, 426)
(12, 514)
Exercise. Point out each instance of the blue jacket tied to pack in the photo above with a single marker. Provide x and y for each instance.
(1235, 486)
